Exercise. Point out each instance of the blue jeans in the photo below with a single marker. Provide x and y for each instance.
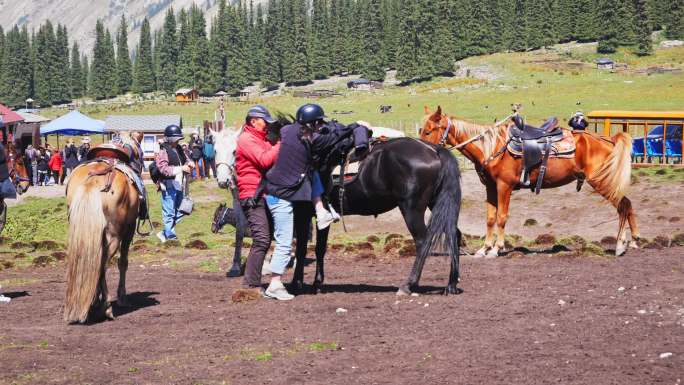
(170, 200)
(316, 185)
(283, 232)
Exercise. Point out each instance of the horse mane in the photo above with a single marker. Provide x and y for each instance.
(490, 134)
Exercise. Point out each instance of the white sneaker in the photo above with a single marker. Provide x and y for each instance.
(276, 290)
(161, 236)
(324, 219)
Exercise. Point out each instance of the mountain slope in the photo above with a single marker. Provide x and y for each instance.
(80, 16)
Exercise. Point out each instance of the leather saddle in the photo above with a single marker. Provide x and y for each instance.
(109, 151)
(535, 144)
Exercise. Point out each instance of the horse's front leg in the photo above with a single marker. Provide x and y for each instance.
(491, 204)
(504, 199)
(321, 247)
(240, 225)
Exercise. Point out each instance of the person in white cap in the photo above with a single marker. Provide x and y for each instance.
(578, 121)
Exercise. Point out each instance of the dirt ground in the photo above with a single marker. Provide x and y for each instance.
(527, 318)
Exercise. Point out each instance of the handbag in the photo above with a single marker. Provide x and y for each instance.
(186, 204)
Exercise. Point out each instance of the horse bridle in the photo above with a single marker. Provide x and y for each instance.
(13, 172)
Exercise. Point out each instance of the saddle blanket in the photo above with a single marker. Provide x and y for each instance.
(564, 148)
(125, 169)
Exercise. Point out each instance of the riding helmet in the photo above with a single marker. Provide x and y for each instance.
(260, 111)
(173, 131)
(310, 113)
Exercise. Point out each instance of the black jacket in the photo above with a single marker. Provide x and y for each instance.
(578, 124)
(70, 156)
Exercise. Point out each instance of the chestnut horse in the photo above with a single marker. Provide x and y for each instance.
(603, 162)
(17, 169)
(103, 208)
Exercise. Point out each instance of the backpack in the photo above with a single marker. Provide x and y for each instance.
(155, 174)
(209, 152)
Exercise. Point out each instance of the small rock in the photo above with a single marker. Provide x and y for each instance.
(4, 299)
(414, 294)
(642, 311)
(552, 325)
(397, 302)
(561, 302)
(426, 305)
(665, 355)
(621, 289)
(341, 311)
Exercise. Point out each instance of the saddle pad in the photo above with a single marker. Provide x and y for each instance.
(124, 168)
(564, 148)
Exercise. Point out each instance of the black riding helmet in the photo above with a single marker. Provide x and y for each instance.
(173, 132)
(310, 113)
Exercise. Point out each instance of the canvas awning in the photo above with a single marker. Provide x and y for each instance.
(73, 123)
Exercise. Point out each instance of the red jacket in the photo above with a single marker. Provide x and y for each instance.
(254, 155)
(55, 162)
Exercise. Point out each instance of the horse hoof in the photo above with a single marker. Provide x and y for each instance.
(619, 250)
(452, 289)
(403, 292)
(633, 245)
(233, 273)
(480, 253)
(492, 254)
(318, 287)
(297, 287)
(109, 313)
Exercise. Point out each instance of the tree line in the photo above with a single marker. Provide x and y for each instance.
(296, 41)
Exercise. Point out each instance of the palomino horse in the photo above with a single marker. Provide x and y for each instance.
(103, 207)
(604, 163)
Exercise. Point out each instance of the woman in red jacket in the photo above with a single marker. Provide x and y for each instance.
(55, 165)
(254, 155)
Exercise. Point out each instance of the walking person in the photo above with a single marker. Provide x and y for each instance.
(70, 157)
(55, 166)
(254, 156)
(42, 167)
(209, 156)
(173, 165)
(83, 149)
(32, 161)
(131, 144)
(196, 155)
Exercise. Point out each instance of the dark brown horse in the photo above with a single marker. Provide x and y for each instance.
(603, 162)
(17, 169)
(103, 207)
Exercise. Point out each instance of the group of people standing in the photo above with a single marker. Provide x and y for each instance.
(50, 165)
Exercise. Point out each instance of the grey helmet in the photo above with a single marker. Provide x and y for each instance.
(260, 111)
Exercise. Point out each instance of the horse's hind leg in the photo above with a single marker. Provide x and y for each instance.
(491, 204)
(623, 208)
(504, 200)
(415, 221)
(123, 267)
(633, 228)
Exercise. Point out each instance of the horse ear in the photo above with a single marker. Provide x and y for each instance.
(439, 110)
(426, 109)
(437, 116)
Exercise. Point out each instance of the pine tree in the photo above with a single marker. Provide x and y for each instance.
(296, 69)
(156, 58)
(184, 75)
(390, 16)
(199, 47)
(407, 58)
(608, 39)
(320, 57)
(626, 27)
(373, 67)
(168, 54)
(143, 72)
(16, 67)
(46, 55)
(443, 51)
(643, 28)
(61, 84)
(519, 41)
(674, 20)
(102, 82)
(76, 73)
(124, 68)
(87, 79)
(236, 76)
(587, 23)
(272, 72)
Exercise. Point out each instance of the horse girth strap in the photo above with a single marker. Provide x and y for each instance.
(108, 171)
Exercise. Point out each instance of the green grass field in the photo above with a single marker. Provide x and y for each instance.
(548, 83)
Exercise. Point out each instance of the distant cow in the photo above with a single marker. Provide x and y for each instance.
(384, 109)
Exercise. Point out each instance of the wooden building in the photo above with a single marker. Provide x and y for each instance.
(187, 95)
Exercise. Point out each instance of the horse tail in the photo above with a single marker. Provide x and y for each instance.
(612, 179)
(442, 230)
(86, 257)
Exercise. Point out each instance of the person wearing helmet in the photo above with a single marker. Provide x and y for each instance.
(254, 155)
(172, 165)
(131, 144)
(578, 121)
(292, 180)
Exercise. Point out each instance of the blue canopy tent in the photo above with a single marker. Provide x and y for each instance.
(72, 124)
